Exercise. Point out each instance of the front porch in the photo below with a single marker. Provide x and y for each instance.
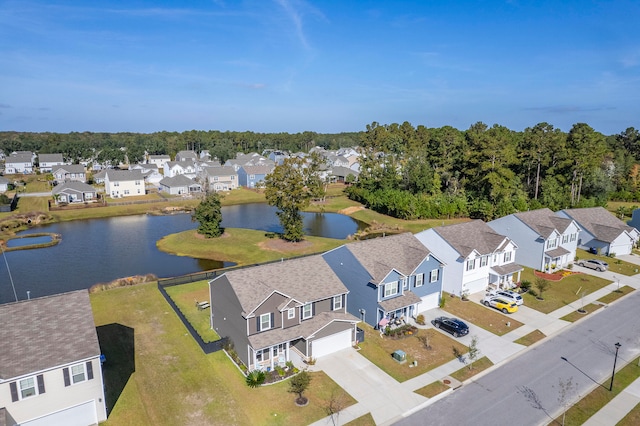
(556, 259)
(397, 311)
(504, 277)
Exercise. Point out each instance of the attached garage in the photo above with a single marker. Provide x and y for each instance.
(331, 344)
(81, 415)
(430, 301)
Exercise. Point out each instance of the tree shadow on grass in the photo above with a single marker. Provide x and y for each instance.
(117, 344)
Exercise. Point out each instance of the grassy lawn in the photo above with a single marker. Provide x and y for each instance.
(616, 294)
(632, 418)
(617, 266)
(563, 292)
(575, 315)
(486, 318)
(478, 366)
(600, 396)
(242, 246)
(378, 350)
(432, 389)
(366, 420)
(531, 338)
(169, 381)
(185, 297)
(414, 226)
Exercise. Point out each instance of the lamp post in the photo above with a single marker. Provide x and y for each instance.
(617, 345)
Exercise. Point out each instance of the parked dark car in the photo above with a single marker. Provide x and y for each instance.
(451, 325)
(598, 265)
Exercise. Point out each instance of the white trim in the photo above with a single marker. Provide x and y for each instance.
(262, 327)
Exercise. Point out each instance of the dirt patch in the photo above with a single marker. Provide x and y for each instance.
(282, 246)
(351, 210)
(557, 276)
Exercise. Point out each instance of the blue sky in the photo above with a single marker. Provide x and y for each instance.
(323, 66)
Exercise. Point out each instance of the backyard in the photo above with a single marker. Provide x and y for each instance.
(185, 297)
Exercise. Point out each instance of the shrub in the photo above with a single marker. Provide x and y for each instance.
(255, 378)
(443, 302)
(525, 285)
(280, 371)
(570, 266)
(533, 292)
(420, 319)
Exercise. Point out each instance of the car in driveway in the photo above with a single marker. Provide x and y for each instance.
(598, 265)
(451, 325)
(507, 294)
(501, 304)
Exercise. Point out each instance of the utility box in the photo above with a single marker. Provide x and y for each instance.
(399, 356)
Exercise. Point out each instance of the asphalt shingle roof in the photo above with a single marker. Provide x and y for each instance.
(544, 221)
(77, 186)
(46, 332)
(124, 175)
(599, 223)
(469, 236)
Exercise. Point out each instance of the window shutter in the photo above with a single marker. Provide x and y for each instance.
(65, 373)
(273, 317)
(40, 383)
(258, 323)
(14, 391)
(89, 370)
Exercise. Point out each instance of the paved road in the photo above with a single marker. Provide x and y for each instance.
(524, 391)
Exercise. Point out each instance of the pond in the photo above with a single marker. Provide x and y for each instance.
(29, 241)
(101, 250)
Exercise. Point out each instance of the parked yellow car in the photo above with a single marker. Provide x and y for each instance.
(506, 306)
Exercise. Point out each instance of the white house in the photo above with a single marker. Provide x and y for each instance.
(175, 168)
(50, 371)
(48, 161)
(4, 184)
(19, 162)
(69, 173)
(123, 183)
(223, 178)
(476, 256)
(150, 172)
(158, 160)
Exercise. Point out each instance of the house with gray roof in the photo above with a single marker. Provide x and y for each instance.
(179, 185)
(50, 371)
(389, 278)
(477, 257)
(69, 173)
(292, 310)
(4, 184)
(175, 168)
(150, 172)
(546, 241)
(74, 192)
(124, 183)
(251, 176)
(19, 162)
(46, 162)
(189, 155)
(223, 178)
(602, 232)
(159, 160)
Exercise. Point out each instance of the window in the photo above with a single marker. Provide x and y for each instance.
(403, 283)
(77, 373)
(419, 280)
(471, 264)
(337, 302)
(126, 192)
(307, 311)
(507, 256)
(27, 387)
(495, 258)
(137, 182)
(433, 277)
(291, 313)
(565, 239)
(265, 322)
(390, 289)
(552, 243)
(484, 260)
(573, 237)
(116, 183)
(215, 178)
(252, 177)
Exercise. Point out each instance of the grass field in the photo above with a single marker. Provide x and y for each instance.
(615, 265)
(156, 374)
(486, 318)
(185, 297)
(531, 338)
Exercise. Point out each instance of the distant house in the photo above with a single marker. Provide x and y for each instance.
(341, 174)
(293, 310)
(601, 231)
(388, 278)
(158, 160)
(150, 172)
(48, 161)
(546, 241)
(4, 184)
(175, 168)
(186, 156)
(50, 371)
(19, 162)
(253, 176)
(124, 183)
(179, 185)
(98, 177)
(222, 178)
(251, 159)
(69, 173)
(73, 192)
(476, 256)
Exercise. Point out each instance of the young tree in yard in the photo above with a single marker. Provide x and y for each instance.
(542, 285)
(209, 216)
(566, 394)
(298, 384)
(473, 351)
(290, 188)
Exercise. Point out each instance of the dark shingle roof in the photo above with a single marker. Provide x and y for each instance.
(124, 175)
(469, 236)
(47, 332)
(69, 168)
(77, 186)
(176, 181)
(50, 158)
(544, 221)
(599, 222)
(379, 256)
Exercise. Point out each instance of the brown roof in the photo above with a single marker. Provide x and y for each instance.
(469, 236)
(46, 332)
(544, 221)
(557, 252)
(306, 280)
(509, 268)
(408, 298)
(379, 256)
(599, 222)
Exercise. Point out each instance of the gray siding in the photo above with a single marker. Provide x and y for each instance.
(301, 345)
(530, 245)
(268, 306)
(452, 283)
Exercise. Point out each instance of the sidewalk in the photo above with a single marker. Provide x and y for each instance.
(387, 400)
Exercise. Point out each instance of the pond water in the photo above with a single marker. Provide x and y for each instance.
(29, 241)
(101, 250)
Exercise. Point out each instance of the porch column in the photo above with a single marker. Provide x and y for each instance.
(271, 355)
(286, 352)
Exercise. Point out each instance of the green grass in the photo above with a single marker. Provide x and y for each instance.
(581, 411)
(576, 315)
(616, 294)
(478, 366)
(170, 381)
(531, 338)
(487, 318)
(432, 389)
(378, 350)
(617, 266)
(632, 418)
(366, 420)
(561, 293)
(185, 297)
(242, 246)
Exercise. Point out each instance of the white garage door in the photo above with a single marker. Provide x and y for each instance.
(620, 249)
(80, 415)
(430, 301)
(331, 344)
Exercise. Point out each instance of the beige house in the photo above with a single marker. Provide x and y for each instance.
(223, 178)
(50, 371)
(124, 183)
